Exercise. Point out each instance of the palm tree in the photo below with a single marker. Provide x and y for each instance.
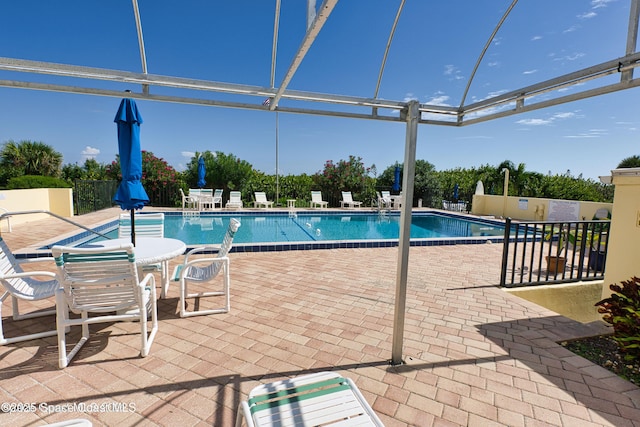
(30, 158)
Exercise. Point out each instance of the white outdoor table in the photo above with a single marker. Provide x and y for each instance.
(151, 250)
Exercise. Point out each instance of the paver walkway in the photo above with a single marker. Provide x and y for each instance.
(475, 355)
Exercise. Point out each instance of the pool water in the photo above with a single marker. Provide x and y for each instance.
(196, 229)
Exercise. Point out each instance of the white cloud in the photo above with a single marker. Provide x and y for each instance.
(534, 38)
(89, 153)
(571, 29)
(591, 133)
(530, 72)
(571, 57)
(493, 64)
(566, 115)
(439, 99)
(453, 71)
(588, 15)
(596, 4)
(534, 122)
(187, 154)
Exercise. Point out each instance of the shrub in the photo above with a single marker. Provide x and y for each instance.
(36, 181)
(622, 310)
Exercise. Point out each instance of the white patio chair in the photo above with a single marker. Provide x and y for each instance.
(146, 225)
(235, 200)
(347, 200)
(21, 285)
(203, 270)
(189, 201)
(104, 283)
(316, 200)
(261, 200)
(384, 200)
(319, 399)
(217, 198)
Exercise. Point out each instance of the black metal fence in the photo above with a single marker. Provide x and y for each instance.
(92, 195)
(544, 252)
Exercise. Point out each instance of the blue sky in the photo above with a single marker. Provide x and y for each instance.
(431, 59)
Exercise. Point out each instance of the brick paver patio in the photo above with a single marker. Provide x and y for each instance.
(474, 354)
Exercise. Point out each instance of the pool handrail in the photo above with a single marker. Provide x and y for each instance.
(39, 211)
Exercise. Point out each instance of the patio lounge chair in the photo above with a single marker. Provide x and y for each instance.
(261, 200)
(347, 200)
(188, 201)
(203, 270)
(21, 285)
(217, 198)
(102, 282)
(316, 200)
(147, 225)
(384, 200)
(235, 200)
(322, 398)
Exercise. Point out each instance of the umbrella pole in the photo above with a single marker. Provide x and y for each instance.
(133, 227)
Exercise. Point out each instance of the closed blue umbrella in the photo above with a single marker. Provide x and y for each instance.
(396, 179)
(130, 194)
(455, 192)
(201, 173)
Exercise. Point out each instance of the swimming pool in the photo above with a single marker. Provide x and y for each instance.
(315, 230)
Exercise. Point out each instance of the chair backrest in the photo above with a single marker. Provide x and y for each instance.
(346, 197)
(195, 192)
(147, 225)
(386, 195)
(316, 196)
(261, 196)
(182, 194)
(217, 195)
(98, 279)
(9, 265)
(235, 196)
(227, 242)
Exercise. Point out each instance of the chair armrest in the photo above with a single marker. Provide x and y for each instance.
(198, 250)
(180, 269)
(28, 274)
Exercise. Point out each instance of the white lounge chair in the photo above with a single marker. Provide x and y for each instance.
(261, 200)
(316, 200)
(235, 200)
(323, 398)
(188, 201)
(384, 200)
(21, 285)
(204, 270)
(217, 198)
(147, 225)
(347, 200)
(102, 282)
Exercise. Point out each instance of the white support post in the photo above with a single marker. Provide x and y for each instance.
(408, 178)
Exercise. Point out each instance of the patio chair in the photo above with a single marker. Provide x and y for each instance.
(217, 198)
(347, 200)
(235, 200)
(146, 225)
(316, 200)
(104, 283)
(261, 200)
(384, 200)
(323, 398)
(189, 201)
(201, 270)
(21, 285)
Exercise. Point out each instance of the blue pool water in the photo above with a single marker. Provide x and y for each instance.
(357, 229)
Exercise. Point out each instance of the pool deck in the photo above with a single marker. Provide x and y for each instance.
(475, 355)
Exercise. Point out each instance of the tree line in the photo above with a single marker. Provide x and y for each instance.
(28, 164)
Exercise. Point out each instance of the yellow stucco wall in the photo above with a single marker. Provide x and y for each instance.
(527, 208)
(56, 200)
(573, 300)
(623, 257)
